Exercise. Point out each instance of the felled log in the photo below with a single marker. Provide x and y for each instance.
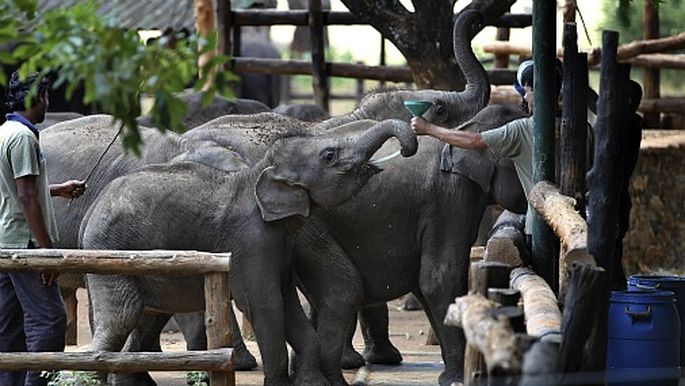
(113, 262)
(493, 337)
(507, 243)
(125, 362)
(560, 214)
(543, 318)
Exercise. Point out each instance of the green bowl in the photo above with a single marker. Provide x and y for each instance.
(418, 108)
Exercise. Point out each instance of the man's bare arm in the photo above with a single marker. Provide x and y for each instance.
(463, 139)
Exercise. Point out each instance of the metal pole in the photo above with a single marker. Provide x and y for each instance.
(544, 111)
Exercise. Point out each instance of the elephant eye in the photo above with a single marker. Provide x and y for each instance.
(439, 109)
(329, 155)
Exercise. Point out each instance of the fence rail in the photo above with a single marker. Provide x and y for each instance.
(214, 267)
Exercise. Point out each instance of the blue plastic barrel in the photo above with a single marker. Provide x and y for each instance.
(644, 335)
(675, 284)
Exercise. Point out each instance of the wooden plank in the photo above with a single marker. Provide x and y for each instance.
(319, 73)
(217, 321)
(502, 60)
(223, 27)
(118, 362)
(113, 262)
(666, 105)
(670, 61)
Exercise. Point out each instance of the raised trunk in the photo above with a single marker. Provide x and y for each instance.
(375, 137)
(477, 91)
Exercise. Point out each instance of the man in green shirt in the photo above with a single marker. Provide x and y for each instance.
(32, 316)
(513, 140)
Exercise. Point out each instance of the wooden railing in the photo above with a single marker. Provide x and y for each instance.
(215, 267)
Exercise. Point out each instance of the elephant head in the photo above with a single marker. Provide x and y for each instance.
(325, 170)
(449, 108)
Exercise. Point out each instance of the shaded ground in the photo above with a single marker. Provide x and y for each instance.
(408, 331)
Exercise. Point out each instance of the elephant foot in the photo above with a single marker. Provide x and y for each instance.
(382, 354)
(450, 378)
(135, 379)
(351, 359)
(243, 359)
(307, 378)
(411, 303)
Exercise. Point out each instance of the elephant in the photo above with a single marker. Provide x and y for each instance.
(76, 145)
(254, 212)
(265, 88)
(304, 112)
(448, 109)
(53, 118)
(198, 114)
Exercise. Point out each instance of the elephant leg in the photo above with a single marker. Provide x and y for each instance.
(193, 327)
(145, 337)
(378, 348)
(114, 316)
(302, 338)
(335, 290)
(436, 298)
(351, 359)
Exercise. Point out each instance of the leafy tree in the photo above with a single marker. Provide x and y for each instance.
(113, 64)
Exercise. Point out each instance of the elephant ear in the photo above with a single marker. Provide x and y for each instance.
(476, 165)
(279, 199)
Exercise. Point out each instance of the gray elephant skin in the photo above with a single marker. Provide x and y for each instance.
(73, 148)
(252, 212)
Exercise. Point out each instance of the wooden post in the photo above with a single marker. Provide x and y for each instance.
(502, 60)
(482, 275)
(320, 77)
(544, 56)
(569, 11)
(651, 77)
(224, 20)
(507, 243)
(573, 138)
(217, 303)
(580, 306)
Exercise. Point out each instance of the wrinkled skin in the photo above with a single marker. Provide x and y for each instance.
(265, 88)
(54, 118)
(251, 212)
(73, 148)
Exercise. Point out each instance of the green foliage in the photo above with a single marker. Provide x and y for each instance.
(112, 64)
(70, 378)
(625, 16)
(197, 378)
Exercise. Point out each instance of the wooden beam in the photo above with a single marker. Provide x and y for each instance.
(651, 77)
(113, 262)
(664, 105)
(493, 337)
(319, 74)
(246, 17)
(118, 362)
(672, 61)
(507, 243)
(543, 318)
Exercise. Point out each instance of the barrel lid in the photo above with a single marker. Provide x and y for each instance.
(637, 296)
(655, 278)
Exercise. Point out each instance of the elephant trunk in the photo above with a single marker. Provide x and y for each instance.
(376, 136)
(477, 92)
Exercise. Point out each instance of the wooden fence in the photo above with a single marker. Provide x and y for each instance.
(217, 359)
(230, 22)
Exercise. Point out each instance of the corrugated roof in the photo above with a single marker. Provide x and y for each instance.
(140, 14)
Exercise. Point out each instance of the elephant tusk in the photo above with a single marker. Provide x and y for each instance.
(384, 159)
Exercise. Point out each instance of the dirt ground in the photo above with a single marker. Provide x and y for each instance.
(408, 332)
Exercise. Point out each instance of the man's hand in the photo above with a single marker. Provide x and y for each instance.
(68, 189)
(421, 126)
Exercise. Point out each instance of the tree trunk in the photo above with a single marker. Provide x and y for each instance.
(205, 25)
